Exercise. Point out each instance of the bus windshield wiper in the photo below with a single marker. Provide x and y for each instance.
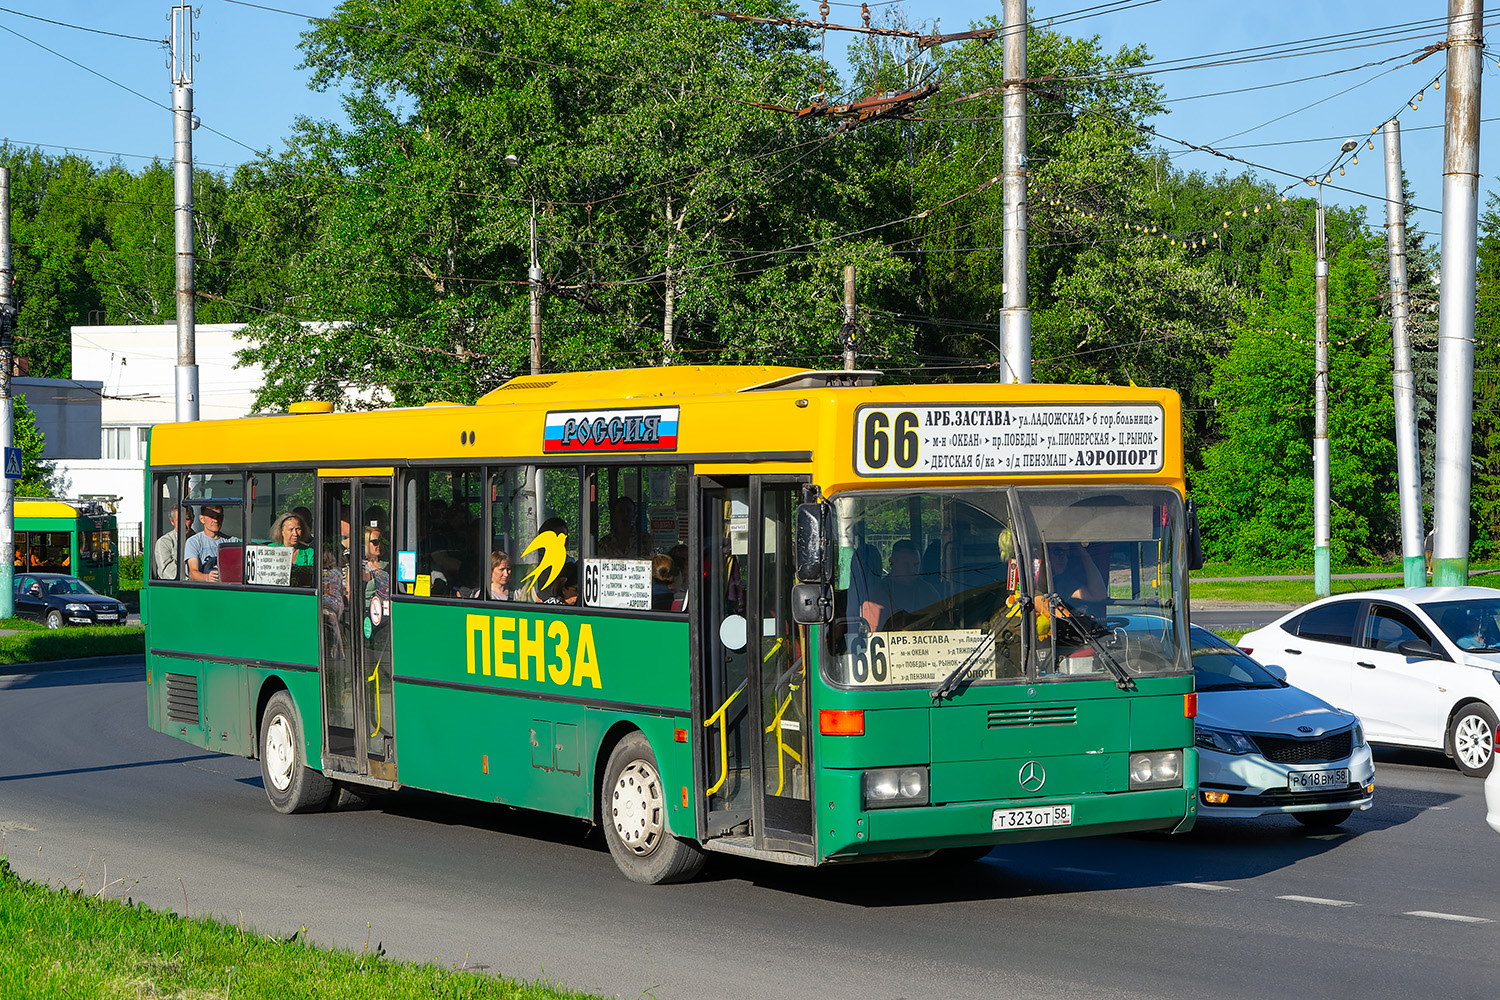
(960, 673)
(1088, 628)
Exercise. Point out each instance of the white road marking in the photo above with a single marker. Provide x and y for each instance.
(1455, 917)
(1318, 900)
(1206, 886)
(1083, 871)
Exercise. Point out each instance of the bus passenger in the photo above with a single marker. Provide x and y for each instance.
(290, 531)
(332, 603)
(623, 540)
(500, 576)
(661, 582)
(905, 590)
(377, 566)
(202, 554)
(565, 591)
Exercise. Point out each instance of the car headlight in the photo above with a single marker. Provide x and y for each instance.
(1156, 769)
(895, 786)
(1223, 740)
(1359, 734)
(75, 607)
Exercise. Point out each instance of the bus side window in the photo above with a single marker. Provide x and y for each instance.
(544, 569)
(449, 533)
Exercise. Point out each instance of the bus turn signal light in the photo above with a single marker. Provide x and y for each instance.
(1190, 705)
(841, 722)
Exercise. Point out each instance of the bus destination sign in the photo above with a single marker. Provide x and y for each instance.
(653, 429)
(1016, 440)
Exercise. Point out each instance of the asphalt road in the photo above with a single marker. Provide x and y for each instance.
(1401, 904)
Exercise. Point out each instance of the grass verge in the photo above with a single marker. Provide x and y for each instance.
(35, 643)
(62, 943)
(1289, 592)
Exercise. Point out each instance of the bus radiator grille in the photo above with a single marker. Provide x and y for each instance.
(1053, 715)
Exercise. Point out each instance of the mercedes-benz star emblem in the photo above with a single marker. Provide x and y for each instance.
(1033, 776)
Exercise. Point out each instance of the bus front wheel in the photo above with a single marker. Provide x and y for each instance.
(633, 808)
(291, 785)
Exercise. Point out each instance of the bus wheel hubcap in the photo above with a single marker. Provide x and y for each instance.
(279, 756)
(636, 807)
(1472, 741)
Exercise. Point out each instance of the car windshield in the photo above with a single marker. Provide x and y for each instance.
(1218, 666)
(1007, 584)
(1472, 625)
(66, 586)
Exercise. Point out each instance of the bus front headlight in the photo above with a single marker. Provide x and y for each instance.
(1156, 769)
(895, 786)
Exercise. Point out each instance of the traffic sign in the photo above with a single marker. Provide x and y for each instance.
(12, 463)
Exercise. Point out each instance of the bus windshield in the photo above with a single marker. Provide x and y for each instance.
(995, 585)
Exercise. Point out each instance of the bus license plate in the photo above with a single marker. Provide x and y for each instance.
(1027, 819)
(1315, 781)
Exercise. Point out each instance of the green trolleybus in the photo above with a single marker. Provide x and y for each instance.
(77, 537)
(787, 614)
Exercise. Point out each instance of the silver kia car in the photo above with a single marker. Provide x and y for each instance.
(1264, 746)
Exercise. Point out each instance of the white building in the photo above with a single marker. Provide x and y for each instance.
(127, 376)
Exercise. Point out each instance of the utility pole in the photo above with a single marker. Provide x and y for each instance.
(7, 414)
(846, 332)
(183, 124)
(534, 278)
(1015, 318)
(1403, 381)
(1322, 580)
(1455, 403)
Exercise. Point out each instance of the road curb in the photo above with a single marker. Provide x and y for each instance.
(82, 662)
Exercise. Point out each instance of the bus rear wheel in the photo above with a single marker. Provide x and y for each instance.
(633, 808)
(291, 785)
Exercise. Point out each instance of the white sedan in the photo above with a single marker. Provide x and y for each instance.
(1420, 666)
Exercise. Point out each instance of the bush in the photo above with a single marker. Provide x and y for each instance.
(130, 571)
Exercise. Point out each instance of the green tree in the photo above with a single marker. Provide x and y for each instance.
(658, 190)
(38, 478)
(1255, 489)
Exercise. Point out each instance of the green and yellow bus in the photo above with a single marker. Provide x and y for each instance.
(772, 612)
(73, 536)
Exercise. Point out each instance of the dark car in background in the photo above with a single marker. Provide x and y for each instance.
(61, 600)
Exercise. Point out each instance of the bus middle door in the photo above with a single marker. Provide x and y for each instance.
(354, 611)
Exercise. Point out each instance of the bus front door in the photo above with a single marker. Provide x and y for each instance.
(753, 704)
(354, 608)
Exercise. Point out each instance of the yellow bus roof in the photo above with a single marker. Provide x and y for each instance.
(732, 419)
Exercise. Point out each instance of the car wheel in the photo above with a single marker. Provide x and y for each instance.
(1323, 820)
(54, 619)
(290, 784)
(1471, 739)
(633, 807)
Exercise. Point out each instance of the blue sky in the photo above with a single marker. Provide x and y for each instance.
(248, 89)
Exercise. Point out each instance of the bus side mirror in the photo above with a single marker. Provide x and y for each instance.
(812, 604)
(814, 554)
(1194, 537)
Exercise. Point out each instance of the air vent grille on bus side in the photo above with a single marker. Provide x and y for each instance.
(182, 698)
(526, 384)
(1052, 715)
